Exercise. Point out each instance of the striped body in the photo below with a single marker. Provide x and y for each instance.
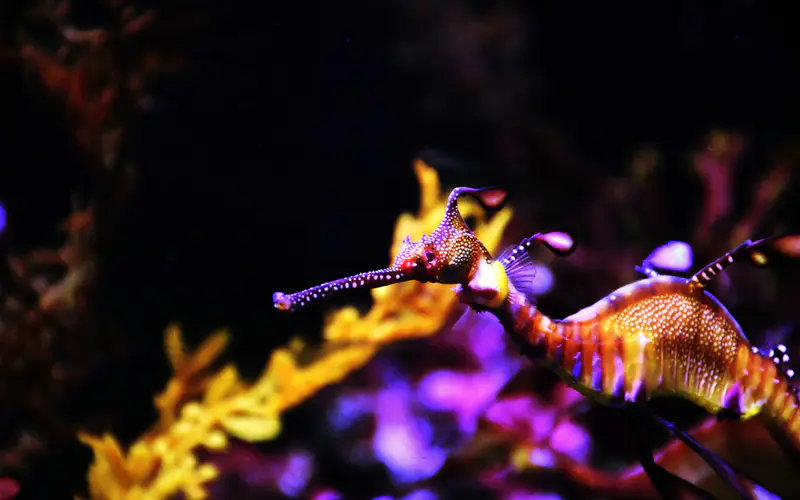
(658, 336)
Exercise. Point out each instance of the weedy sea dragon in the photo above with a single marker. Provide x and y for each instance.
(662, 335)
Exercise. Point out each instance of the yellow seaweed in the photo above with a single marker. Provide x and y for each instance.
(197, 409)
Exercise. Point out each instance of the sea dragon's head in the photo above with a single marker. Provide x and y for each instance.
(450, 254)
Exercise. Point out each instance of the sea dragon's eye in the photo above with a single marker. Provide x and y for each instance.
(429, 255)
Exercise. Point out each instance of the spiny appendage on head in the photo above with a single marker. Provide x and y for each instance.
(371, 279)
(449, 255)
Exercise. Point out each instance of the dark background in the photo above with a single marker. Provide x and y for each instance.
(283, 157)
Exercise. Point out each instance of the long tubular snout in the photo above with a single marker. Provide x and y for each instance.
(370, 279)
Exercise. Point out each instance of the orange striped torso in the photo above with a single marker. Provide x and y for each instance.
(658, 336)
(661, 335)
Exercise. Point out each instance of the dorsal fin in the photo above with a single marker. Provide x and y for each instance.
(520, 269)
(519, 265)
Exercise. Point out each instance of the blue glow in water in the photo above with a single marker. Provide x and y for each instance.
(295, 476)
(762, 494)
(465, 394)
(672, 256)
(402, 441)
(571, 440)
(421, 495)
(2, 217)
(400, 447)
(519, 495)
(542, 458)
(327, 495)
(348, 408)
